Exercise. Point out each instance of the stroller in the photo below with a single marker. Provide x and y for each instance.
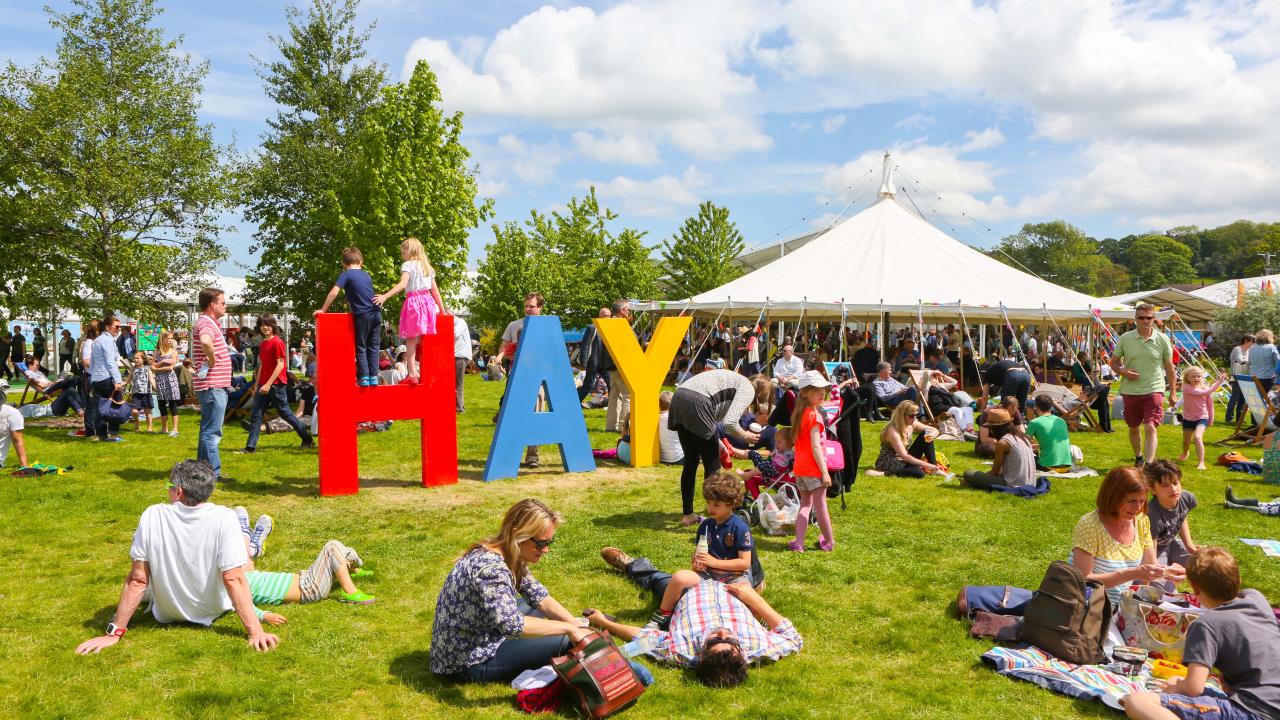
(778, 499)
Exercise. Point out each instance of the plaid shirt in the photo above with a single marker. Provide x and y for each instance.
(707, 607)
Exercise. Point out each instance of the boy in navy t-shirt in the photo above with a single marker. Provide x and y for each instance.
(724, 545)
(358, 286)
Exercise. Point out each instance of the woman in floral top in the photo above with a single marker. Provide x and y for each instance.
(493, 619)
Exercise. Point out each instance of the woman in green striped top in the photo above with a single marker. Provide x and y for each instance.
(336, 562)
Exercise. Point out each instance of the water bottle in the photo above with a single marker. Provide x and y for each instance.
(643, 643)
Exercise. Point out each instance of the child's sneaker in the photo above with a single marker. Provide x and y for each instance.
(258, 540)
(243, 516)
(356, 598)
(362, 573)
(354, 558)
(660, 620)
(795, 546)
(173, 433)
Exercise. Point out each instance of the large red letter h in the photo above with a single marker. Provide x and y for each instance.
(342, 405)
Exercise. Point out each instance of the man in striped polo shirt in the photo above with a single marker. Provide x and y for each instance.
(211, 375)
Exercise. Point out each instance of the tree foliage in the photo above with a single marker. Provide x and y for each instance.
(110, 186)
(570, 256)
(699, 257)
(1157, 261)
(323, 89)
(1061, 253)
(409, 178)
(1258, 311)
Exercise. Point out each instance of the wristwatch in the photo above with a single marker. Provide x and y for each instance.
(116, 630)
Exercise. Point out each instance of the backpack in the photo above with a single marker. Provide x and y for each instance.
(1068, 617)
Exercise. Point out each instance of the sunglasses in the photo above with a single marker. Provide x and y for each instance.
(1146, 317)
(541, 544)
(722, 640)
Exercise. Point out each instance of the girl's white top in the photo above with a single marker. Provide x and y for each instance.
(417, 281)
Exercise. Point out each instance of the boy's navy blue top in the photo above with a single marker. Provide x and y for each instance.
(724, 542)
(358, 286)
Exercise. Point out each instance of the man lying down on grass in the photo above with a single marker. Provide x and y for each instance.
(712, 629)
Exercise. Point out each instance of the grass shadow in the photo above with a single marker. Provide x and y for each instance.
(140, 475)
(279, 487)
(413, 669)
(640, 519)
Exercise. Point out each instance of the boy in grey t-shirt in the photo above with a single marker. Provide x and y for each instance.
(1238, 634)
(1168, 510)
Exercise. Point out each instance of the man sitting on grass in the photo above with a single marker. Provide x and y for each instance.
(189, 557)
(713, 628)
(1237, 633)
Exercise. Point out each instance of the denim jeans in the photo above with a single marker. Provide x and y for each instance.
(90, 407)
(279, 399)
(368, 338)
(104, 428)
(213, 407)
(514, 656)
(1236, 404)
(459, 372)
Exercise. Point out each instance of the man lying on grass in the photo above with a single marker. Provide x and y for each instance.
(189, 556)
(713, 629)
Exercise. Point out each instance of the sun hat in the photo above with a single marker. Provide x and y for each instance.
(996, 416)
(812, 378)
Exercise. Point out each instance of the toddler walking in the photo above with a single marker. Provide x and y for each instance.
(810, 469)
(1197, 411)
(142, 383)
(422, 302)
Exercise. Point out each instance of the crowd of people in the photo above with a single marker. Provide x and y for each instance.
(792, 415)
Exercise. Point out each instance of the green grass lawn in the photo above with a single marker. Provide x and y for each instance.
(880, 637)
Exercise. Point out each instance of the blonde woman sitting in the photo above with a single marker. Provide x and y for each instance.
(896, 456)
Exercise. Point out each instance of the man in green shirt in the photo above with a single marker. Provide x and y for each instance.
(1051, 435)
(1144, 361)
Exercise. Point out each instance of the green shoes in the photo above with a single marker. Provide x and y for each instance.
(362, 573)
(356, 598)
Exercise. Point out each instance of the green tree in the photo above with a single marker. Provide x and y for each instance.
(571, 257)
(1060, 252)
(109, 180)
(409, 178)
(1258, 311)
(1156, 261)
(1112, 279)
(323, 90)
(699, 257)
(1227, 250)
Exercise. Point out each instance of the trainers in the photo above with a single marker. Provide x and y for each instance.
(615, 558)
(243, 515)
(258, 540)
(113, 439)
(353, 557)
(173, 433)
(1138, 461)
(308, 443)
(246, 451)
(660, 620)
(356, 598)
(795, 546)
(225, 479)
(362, 573)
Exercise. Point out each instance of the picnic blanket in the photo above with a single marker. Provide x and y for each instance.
(1270, 548)
(1252, 468)
(1085, 682)
(1076, 471)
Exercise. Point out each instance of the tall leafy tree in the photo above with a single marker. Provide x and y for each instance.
(109, 181)
(323, 88)
(408, 176)
(699, 257)
(1156, 261)
(1059, 251)
(572, 257)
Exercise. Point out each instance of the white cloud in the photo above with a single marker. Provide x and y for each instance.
(914, 122)
(832, 123)
(982, 140)
(668, 67)
(535, 163)
(629, 148)
(661, 196)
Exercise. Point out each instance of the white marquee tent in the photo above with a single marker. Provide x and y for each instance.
(1227, 291)
(888, 260)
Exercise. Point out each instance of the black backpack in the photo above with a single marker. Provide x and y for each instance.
(1068, 617)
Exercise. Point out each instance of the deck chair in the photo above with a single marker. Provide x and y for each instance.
(1079, 418)
(920, 381)
(1260, 409)
(38, 396)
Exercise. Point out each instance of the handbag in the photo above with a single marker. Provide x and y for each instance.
(1271, 462)
(835, 454)
(1143, 623)
(112, 410)
(597, 674)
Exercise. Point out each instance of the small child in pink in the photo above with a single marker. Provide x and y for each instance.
(1197, 411)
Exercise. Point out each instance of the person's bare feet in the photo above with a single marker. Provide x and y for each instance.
(1201, 467)
(688, 520)
(1183, 457)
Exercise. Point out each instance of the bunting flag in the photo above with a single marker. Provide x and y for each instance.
(1239, 294)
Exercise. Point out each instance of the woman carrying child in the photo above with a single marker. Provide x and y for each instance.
(1197, 410)
(422, 302)
(810, 469)
(142, 384)
(167, 390)
(895, 457)
(1015, 460)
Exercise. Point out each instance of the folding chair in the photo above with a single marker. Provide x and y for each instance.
(1260, 408)
(920, 381)
(1079, 418)
(38, 395)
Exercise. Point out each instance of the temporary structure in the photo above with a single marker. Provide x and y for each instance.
(1227, 291)
(1195, 310)
(886, 260)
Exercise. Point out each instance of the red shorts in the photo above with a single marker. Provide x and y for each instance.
(1143, 409)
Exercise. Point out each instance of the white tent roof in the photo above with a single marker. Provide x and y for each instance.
(1225, 291)
(888, 259)
(1191, 307)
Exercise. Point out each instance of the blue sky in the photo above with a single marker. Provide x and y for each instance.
(1119, 117)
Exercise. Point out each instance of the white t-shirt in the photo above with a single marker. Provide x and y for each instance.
(10, 420)
(188, 549)
(788, 368)
(417, 281)
(669, 450)
(461, 338)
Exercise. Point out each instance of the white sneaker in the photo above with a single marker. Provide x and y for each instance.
(258, 540)
(243, 515)
(173, 433)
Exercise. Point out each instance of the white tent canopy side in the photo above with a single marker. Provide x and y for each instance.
(886, 259)
(1226, 291)
(1190, 307)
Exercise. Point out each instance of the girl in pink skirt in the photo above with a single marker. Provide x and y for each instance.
(421, 304)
